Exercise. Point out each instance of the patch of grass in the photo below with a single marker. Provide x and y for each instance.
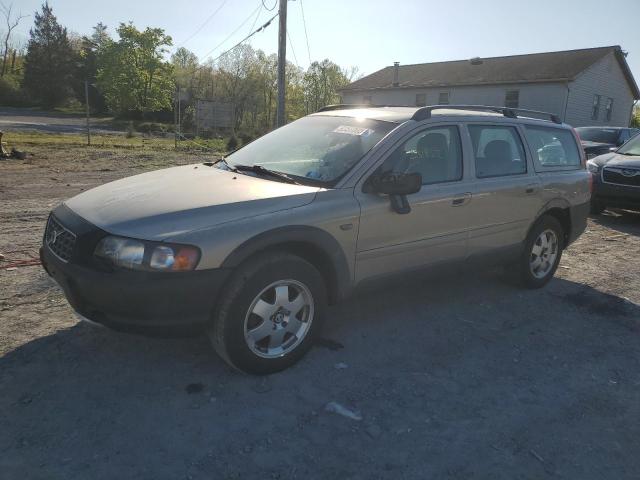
(74, 109)
(22, 140)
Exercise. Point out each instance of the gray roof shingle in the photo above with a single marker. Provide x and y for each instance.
(536, 67)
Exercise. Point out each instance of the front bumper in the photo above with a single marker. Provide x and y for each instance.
(137, 301)
(614, 195)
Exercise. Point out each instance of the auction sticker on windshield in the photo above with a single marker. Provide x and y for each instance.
(350, 130)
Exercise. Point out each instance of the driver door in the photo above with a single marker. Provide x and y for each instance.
(435, 230)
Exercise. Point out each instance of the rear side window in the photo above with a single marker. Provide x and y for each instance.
(498, 151)
(553, 147)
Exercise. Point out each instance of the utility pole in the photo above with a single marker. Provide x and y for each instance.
(86, 102)
(179, 117)
(175, 119)
(282, 61)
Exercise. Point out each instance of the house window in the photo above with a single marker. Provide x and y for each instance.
(512, 99)
(366, 99)
(421, 99)
(595, 110)
(443, 98)
(609, 108)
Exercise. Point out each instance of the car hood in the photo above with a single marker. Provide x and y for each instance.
(614, 159)
(160, 204)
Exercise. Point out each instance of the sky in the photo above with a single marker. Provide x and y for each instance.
(369, 34)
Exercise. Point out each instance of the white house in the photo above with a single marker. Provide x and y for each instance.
(591, 86)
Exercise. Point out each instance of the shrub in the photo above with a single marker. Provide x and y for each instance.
(11, 94)
(232, 143)
(151, 127)
(246, 137)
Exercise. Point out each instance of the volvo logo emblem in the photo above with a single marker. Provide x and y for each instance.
(53, 235)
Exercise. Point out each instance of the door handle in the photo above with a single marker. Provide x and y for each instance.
(461, 199)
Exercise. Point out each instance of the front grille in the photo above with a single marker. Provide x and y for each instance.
(621, 176)
(59, 239)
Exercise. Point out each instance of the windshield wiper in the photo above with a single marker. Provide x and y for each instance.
(259, 169)
(217, 161)
(628, 154)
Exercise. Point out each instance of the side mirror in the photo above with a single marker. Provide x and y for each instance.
(397, 186)
(395, 183)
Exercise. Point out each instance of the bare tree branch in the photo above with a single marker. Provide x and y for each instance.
(11, 22)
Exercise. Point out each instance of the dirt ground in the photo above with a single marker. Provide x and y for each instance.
(461, 377)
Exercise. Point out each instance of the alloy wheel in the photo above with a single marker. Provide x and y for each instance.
(543, 254)
(279, 318)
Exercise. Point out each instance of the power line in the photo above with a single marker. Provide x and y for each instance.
(265, 25)
(232, 33)
(204, 23)
(306, 36)
(255, 20)
(292, 49)
(275, 3)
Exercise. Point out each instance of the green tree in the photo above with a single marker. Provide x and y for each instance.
(185, 66)
(635, 118)
(321, 83)
(132, 74)
(50, 60)
(90, 47)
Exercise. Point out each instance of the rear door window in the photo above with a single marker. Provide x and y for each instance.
(553, 148)
(498, 151)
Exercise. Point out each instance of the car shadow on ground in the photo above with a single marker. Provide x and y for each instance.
(457, 377)
(624, 221)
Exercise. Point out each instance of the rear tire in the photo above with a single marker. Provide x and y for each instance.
(542, 252)
(269, 314)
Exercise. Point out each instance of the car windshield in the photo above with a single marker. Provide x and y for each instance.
(316, 150)
(599, 135)
(632, 147)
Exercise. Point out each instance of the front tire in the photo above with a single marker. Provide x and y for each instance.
(597, 207)
(542, 252)
(269, 314)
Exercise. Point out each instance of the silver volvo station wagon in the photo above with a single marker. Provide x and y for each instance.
(253, 247)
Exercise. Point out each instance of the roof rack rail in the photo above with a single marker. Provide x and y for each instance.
(344, 106)
(348, 106)
(425, 112)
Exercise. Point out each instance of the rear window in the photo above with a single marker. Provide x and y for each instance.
(598, 135)
(553, 147)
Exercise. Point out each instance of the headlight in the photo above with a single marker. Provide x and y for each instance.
(592, 167)
(138, 255)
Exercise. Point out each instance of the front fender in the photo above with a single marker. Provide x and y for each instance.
(318, 246)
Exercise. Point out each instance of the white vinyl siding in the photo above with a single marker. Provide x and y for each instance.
(606, 79)
(548, 97)
(572, 102)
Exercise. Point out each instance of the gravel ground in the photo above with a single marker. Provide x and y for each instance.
(462, 377)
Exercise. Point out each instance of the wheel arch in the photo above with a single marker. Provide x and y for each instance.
(316, 246)
(560, 209)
